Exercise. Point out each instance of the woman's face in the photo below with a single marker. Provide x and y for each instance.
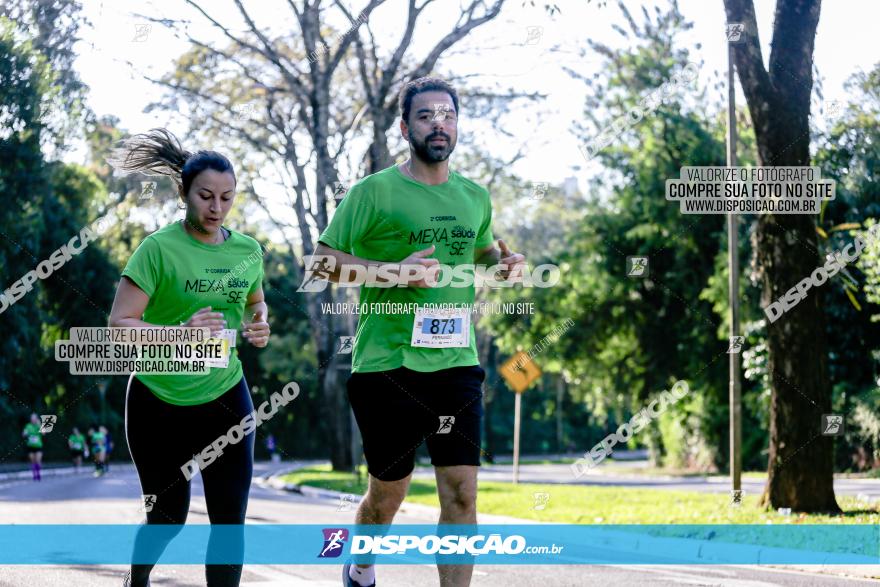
(210, 199)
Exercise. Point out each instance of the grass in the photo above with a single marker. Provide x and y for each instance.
(582, 504)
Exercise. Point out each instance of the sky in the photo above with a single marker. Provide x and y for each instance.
(524, 48)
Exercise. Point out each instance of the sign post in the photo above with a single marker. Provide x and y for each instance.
(734, 35)
(519, 371)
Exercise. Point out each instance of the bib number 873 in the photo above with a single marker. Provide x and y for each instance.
(441, 326)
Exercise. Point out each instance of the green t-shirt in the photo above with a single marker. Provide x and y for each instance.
(33, 436)
(98, 440)
(386, 217)
(183, 275)
(76, 441)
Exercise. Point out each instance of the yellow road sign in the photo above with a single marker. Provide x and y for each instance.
(519, 371)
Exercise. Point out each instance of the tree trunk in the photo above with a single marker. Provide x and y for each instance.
(331, 382)
(378, 156)
(800, 467)
(489, 360)
(801, 473)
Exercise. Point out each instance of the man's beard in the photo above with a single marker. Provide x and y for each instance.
(429, 154)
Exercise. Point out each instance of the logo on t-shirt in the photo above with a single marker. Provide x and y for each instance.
(234, 288)
(455, 239)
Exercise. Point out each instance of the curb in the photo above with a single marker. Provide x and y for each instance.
(273, 480)
(86, 469)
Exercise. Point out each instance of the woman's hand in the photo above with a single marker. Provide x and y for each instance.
(257, 331)
(205, 318)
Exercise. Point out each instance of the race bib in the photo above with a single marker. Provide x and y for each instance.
(34, 439)
(206, 350)
(230, 335)
(224, 340)
(441, 328)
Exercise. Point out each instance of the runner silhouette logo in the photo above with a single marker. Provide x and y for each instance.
(47, 422)
(317, 272)
(736, 343)
(334, 542)
(734, 31)
(149, 502)
(832, 425)
(345, 345)
(636, 266)
(446, 423)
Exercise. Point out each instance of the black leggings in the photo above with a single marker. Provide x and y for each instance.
(162, 437)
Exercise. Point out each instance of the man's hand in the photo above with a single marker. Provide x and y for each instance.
(514, 262)
(417, 270)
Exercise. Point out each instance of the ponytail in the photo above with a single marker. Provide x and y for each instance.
(158, 152)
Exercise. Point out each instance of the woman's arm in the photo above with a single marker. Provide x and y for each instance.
(257, 330)
(129, 305)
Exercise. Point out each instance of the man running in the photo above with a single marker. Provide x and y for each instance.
(76, 442)
(412, 373)
(33, 438)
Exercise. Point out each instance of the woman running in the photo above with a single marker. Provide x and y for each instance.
(194, 273)
(33, 438)
(76, 442)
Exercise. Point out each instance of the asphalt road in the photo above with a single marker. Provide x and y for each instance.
(115, 499)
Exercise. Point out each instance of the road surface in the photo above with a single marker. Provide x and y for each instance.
(115, 499)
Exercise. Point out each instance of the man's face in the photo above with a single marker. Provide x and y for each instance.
(432, 128)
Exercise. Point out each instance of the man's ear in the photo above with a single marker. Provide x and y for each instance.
(404, 130)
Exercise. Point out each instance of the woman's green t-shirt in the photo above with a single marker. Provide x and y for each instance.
(34, 437)
(182, 275)
(77, 441)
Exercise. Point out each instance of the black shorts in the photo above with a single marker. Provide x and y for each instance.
(76, 453)
(32, 450)
(399, 409)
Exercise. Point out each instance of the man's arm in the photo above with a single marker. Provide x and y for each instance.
(487, 256)
(342, 258)
(414, 267)
(513, 262)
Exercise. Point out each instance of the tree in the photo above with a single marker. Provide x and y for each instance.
(53, 27)
(47, 202)
(634, 337)
(800, 464)
(25, 81)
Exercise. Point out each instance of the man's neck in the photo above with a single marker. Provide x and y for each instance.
(427, 173)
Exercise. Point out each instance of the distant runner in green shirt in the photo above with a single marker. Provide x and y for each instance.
(33, 438)
(415, 373)
(194, 272)
(98, 442)
(76, 442)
